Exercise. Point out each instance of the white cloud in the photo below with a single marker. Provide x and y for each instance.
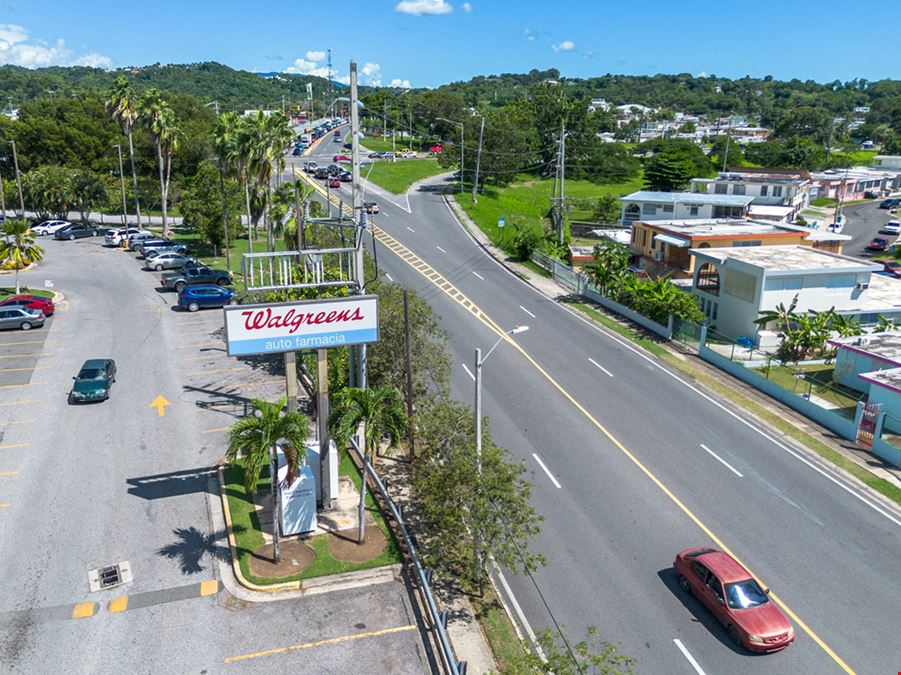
(420, 7)
(397, 83)
(466, 7)
(16, 50)
(527, 34)
(565, 46)
(305, 67)
(315, 56)
(371, 74)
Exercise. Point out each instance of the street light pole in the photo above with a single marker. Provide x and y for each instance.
(122, 180)
(475, 183)
(462, 145)
(18, 179)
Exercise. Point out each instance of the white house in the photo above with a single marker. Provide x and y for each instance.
(736, 284)
(888, 161)
(598, 104)
(649, 205)
(779, 196)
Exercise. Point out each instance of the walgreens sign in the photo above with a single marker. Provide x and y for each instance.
(306, 324)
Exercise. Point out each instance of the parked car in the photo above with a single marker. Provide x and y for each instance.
(334, 182)
(32, 302)
(168, 260)
(310, 166)
(341, 158)
(72, 232)
(878, 244)
(116, 236)
(407, 154)
(21, 318)
(193, 298)
(335, 170)
(93, 381)
(371, 207)
(375, 155)
(134, 239)
(163, 245)
(197, 275)
(871, 194)
(48, 227)
(891, 227)
(735, 598)
(387, 155)
(892, 267)
(321, 172)
(893, 202)
(345, 177)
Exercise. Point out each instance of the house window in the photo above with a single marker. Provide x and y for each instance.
(716, 306)
(763, 190)
(839, 284)
(738, 189)
(720, 188)
(792, 283)
(649, 209)
(692, 210)
(740, 285)
(708, 279)
(644, 237)
(777, 190)
(747, 242)
(667, 208)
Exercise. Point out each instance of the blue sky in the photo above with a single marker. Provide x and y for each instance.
(432, 42)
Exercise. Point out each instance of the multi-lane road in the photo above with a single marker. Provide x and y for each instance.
(631, 464)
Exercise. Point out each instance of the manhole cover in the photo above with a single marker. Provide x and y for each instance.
(110, 576)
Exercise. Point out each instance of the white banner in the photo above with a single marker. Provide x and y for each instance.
(302, 324)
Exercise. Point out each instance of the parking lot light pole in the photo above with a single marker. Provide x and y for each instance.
(122, 179)
(18, 179)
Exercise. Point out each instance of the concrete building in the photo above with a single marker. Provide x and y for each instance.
(777, 194)
(648, 205)
(736, 284)
(888, 162)
(871, 364)
(851, 184)
(662, 247)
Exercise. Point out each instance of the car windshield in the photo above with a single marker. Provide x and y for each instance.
(89, 385)
(90, 374)
(745, 595)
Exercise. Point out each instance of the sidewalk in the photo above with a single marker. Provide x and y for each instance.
(697, 371)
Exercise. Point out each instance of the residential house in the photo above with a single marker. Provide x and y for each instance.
(630, 111)
(598, 104)
(649, 205)
(661, 247)
(871, 364)
(888, 162)
(777, 194)
(736, 284)
(745, 135)
(851, 184)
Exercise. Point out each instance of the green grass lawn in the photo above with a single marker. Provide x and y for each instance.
(817, 380)
(397, 177)
(248, 537)
(527, 200)
(7, 291)
(385, 144)
(238, 247)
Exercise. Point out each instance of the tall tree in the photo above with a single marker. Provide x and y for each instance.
(122, 106)
(159, 120)
(382, 416)
(88, 190)
(232, 142)
(18, 246)
(254, 438)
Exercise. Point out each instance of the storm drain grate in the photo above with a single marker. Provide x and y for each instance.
(110, 576)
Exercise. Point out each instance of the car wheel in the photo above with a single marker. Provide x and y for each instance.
(734, 636)
(223, 282)
(25, 325)
(94, 233)
(193, 306)
(71, 237)
(158, 268)
(233, 301)
(684, 585)
(179, 287)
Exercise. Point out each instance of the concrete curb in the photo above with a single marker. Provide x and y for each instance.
(240, 587)
(24, 269)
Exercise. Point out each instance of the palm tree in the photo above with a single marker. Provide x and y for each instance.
(230, 140)
(159, 120)
(612, 263)
(18, 246)
(254, 439)
(382, 415)
(885, 324)
(783, 316)
(122, 108)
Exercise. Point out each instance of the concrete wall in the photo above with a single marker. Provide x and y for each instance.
(848, 365)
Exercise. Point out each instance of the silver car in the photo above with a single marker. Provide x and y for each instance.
(168, 260)
(20, 317)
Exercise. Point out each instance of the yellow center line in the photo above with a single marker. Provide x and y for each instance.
(13, 386)
(207, 371)
(321, 643)
(13, 445)
(20, 370)
(449, 289)
(25, 356)
(30, 402)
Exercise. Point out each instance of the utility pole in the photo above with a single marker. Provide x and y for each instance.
(118, 147)
(18, 179)
(475, 183)
(409, 371)
(560, 232)
(728, 139)
(330, 97)
(358, 213)
(384, 117)
(2, 201)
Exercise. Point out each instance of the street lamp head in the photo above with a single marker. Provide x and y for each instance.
(519, 329)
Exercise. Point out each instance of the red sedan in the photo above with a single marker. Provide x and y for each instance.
(892, 267)
(735, 598)
(341, 158)
(334, 183)
(30, 302)
(878, 244)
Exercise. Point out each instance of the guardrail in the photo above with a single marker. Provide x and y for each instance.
(439, 619)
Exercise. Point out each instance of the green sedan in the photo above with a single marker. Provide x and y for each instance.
(93, 381)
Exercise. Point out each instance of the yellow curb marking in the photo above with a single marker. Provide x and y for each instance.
(13, 445)
(21, 422)
(31, 402)
(83, 610)
(4, 506)
(213, 431)
(209, 587)
(9, 473)
(119, 604)
(321, 643)
(440, 282)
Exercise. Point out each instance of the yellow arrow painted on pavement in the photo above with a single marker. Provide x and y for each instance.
(160, 404)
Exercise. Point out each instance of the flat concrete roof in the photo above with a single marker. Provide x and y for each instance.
(883, 293)
(700, 227)
(788, 258)
(890, 379)
(751, 177)
(885, 346)
(687, 198)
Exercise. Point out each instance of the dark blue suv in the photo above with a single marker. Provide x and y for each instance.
(193, 298)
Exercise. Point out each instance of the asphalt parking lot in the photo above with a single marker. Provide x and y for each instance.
(93, 485)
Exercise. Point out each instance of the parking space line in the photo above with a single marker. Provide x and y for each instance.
(206, 371)
(9, 473)
(10, 446)
(21, 370)
(25, 356)
(12, 386)
(688, 656)
(5, 506)
(199, 345)
(321, 643)
(199, 332)
(204, 356)
(27, 342)
(11, 403)
(21, 422)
